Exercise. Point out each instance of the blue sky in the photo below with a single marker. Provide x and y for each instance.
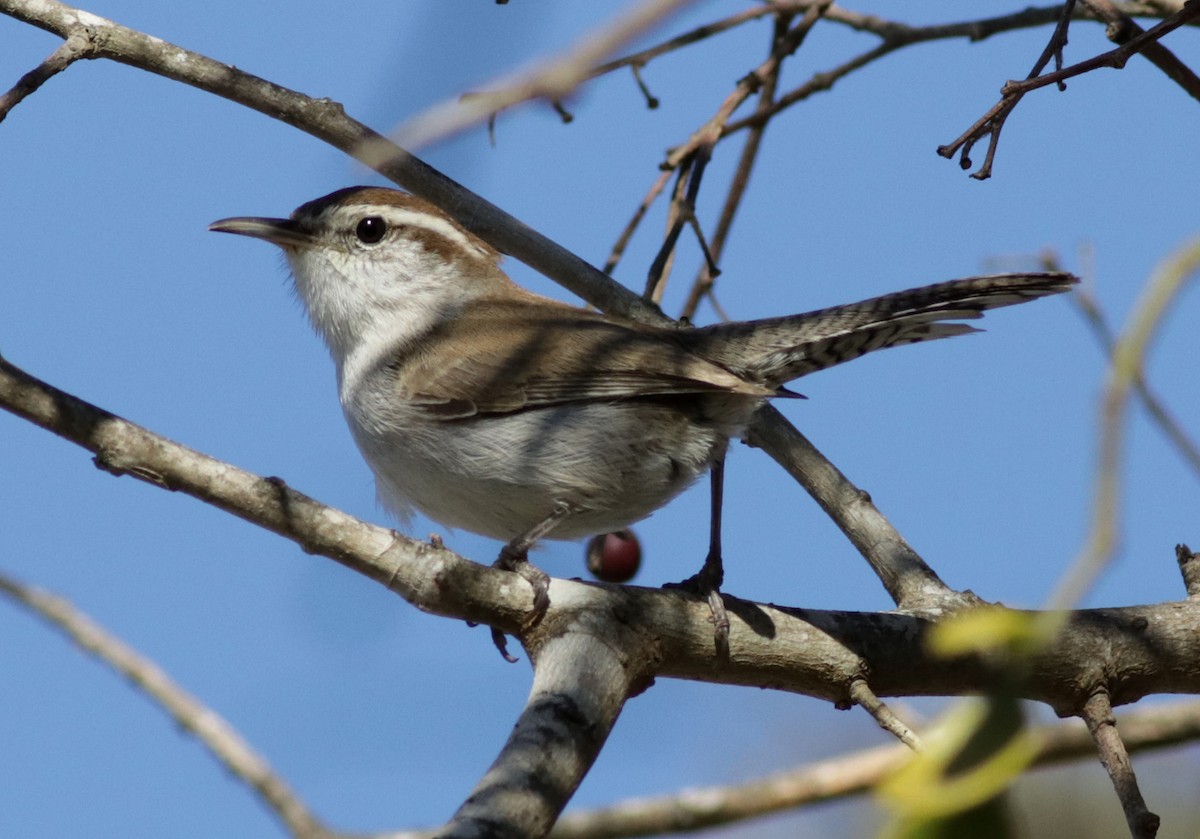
(979, 449)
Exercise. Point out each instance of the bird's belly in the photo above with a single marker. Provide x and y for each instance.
(612, 464)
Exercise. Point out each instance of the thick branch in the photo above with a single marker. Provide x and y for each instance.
(1133, 651)
(429, 577)
(585, 670)
(838, 777)
(911, 583)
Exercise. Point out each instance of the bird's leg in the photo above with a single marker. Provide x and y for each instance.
(515, 557)
(707, 582)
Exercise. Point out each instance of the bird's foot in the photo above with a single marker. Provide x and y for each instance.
(706, 583)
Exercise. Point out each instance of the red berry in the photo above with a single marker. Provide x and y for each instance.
(614, 557)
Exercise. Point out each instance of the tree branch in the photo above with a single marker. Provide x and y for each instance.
(910, 582)
(839, 777)
(844, 776)
(553, 82)
(1097, 713)
(1128, 358)
(907, 577)
(214, 732)
(79, 45)
(991, 123)
(582, 677)
(1140, 649)
(1122, 28)
(327, 121)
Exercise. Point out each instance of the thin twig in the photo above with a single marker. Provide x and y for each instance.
(849, 775)
(864, 697)
(1115, 58)
(1089, 307)
(703, 284)
(213, 732)
(687, 181)
(1057, 43)
(1128, 357)
(1097, 714)
(692, 156)
(1121, 27)
(77, 46)
(618, 248)
(643, 57)
(991, 123)
(552, 82)
(712, 131)
(894, 35)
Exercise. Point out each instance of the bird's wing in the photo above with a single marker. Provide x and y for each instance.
(509, 356)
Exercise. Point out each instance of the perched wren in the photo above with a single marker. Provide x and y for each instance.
(493, 409)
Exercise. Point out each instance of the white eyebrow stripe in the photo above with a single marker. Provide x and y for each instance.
(439, 226)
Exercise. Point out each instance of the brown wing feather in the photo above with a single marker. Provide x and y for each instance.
(583, 357)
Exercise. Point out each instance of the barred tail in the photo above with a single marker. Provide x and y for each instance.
(777, 350)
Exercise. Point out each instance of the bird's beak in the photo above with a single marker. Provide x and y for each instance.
(281, 231)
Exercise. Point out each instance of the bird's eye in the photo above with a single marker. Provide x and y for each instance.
(370, 230)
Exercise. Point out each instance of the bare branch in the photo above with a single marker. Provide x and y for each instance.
(691, 158)
(618, 249)
(712, 131)
(1128, 359)
(1122, 28)
(640, 59)
(895, 35)
(580, 683)
(991, 123)
(432, 578)
(552, 82)
(863, 696)
(848, 775)
(1097, 713)
(1189, 566)
(687, 180)
(214, 732)
(911, 583)
(78, 46)
(703, 284)
(327, 121)
(1089, 307)
(1115, 58)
